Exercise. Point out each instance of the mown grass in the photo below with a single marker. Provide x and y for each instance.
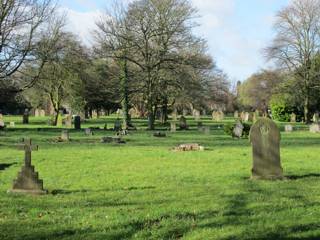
(143, 190)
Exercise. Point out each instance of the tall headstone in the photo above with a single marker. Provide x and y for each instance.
(77, 122)
(25, 117)
(293, 117)
(246, 117)
(265, 141)
(236, 114)
(315, 118)
(28, 181)
(68, 121)
(173, 126)
(88, 132)
(196, 115)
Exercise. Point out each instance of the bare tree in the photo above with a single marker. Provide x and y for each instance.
(20, 22)
(296, 44)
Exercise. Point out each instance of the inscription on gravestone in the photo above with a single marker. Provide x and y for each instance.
(265, 140)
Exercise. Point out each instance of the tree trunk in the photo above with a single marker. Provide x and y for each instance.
(306, 110)
(125, 93)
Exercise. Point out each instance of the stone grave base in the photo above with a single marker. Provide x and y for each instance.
(112, 140)
(31, 192)
(189, 147)
(159, 134)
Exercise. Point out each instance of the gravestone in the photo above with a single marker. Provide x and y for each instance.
(256, 116)
(183, 123)
(117, 125)
(315, 118)
(42, 113)
(236, 114)
(238, 130)
(196, 115)
(2, 124)
(293, 117)
(185, 112)
(12, 124)
(288, 128)
(173, 127)
(242, 116)
(25, 117)
(28, 181)
(65, 136)
(88, 132)
(36, 112)
(77, 122)
(68, 121)
(246, 117)
(265, 141)
(315, 128)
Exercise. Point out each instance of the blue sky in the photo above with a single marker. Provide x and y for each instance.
(236, 30)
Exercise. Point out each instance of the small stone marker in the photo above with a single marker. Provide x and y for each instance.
(28, 181)
(288, 128)
(238, 130)
(77, 122)
(183, 123)
(196, 114)
(173, 127)
(42, 113)
(265, 140)
(189, 147)
(236, 114)
(25, 118)
(315, 128)
(12, 124)
(88, 132)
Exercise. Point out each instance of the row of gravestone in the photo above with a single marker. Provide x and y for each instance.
(264, 138)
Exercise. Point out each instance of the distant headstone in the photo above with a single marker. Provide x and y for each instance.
(293, 117)
(236, 114)
(217, 116)
(246, 117)
(2, 124)
(117, 125)
(265, 140)
(77, 122)
(189, 147)
(28, 181)
(315, 118)
(42, 113)
(256, 116)
(288, 128)
(315, 128)
(173, 127)
(25, 117)
(65, 136)
(183, 123)
(88, 132)
(238, 130)
(68, 121)
(242, 116)
(196, 115)
(36, 112)
(12, 124)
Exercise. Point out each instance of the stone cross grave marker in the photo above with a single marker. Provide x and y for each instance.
(265, 140)
(28, 181)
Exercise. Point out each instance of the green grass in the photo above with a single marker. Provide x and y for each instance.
(143, 190)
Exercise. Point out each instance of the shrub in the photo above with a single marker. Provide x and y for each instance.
(280, 108)
(228, 129)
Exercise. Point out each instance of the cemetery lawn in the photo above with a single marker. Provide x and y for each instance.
(143, 190)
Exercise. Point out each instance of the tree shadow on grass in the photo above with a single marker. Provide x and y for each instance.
(309, 175)
(4, 166)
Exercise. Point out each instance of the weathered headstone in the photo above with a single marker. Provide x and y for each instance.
(196, 115)
(68, 121)
(88, 132)
(256, 116)
(2, 124)
(242, 116)
(288, 128)
(12, 124)
(236, 114)
(185, 112)
(238, 130)
(117, 125)
(36, 112)
(315, 128)
(173, 127)
(315, 118)
(94, 114)
(25, 117)
(293, 117)
(265, 140)
(183, 123)
(77, 122)
(28, 181)
(65, 136)
(246, 117)
(42, 113)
